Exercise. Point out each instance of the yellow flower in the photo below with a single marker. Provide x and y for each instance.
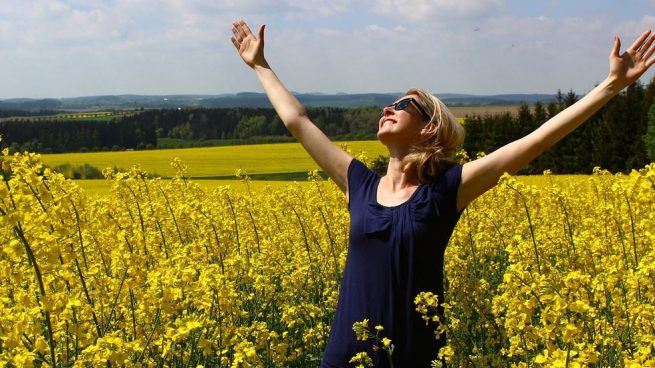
(167, 273)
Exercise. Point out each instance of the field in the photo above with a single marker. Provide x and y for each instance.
(96, 187)
(211, 162)
(463, 111)
(102, 187)
(155, 272)
(90, 115)
(291, 163)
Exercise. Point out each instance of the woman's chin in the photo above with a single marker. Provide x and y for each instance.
(385, 136)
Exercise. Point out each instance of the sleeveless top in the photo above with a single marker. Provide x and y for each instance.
(394, 253)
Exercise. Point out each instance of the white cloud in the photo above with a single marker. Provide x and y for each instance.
(435, 9)
(303, 9)
(77, 47)
(633, 28)
(383, 34)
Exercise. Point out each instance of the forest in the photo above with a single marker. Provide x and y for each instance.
(620, 137)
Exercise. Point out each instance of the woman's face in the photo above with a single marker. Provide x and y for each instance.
(402, 121)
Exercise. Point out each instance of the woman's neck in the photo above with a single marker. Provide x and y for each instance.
(397, 177)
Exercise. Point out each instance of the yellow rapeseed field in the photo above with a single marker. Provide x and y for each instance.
(211, 161)
(164, 273)
(95, 187)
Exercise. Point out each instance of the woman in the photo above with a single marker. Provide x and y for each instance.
(401, 222)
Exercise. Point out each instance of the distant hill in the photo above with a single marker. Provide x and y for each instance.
(28, 104)
(248, 99)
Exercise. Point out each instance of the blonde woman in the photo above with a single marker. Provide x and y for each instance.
(400, 223)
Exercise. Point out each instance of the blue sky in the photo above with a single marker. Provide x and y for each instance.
(65, 48)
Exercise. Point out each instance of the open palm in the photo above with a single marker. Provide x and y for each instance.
(626, 68)
(250, 48)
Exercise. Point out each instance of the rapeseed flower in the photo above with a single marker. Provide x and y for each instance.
(164, 273)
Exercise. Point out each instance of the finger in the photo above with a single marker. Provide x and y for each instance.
(617, 47)
(237, 29)
(235, 26)
(261, 32)
(645, 48)
(648, 55)
(650, 63)
(246, 29)
(639, 41)
(235, 42)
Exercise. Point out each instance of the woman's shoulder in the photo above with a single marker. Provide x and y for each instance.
(361, 180)
(450, 176)
(444, 187)
(357, 170)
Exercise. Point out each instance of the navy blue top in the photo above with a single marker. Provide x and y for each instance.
(394, 253)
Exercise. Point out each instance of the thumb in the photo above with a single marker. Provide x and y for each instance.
(617, 47)
(261, 32)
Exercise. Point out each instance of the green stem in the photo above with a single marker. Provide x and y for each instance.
(18, 230)
(236, 225)
(254, 226)
(170, 209)
(115, 302)
(534, 240)
(143, 227)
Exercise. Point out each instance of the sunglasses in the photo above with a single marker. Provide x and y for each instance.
(402, 105)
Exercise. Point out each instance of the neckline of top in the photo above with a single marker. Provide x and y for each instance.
(407, 201)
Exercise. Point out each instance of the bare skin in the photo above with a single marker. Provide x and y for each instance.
(332, 159)
(398, 129)
(480, 175)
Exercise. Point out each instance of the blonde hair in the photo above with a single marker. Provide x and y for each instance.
(429, 158)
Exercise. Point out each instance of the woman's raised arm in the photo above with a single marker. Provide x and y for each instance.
(482, 174)
(332, 159)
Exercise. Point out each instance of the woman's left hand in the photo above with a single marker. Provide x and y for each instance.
(626, 68)
(250, 48)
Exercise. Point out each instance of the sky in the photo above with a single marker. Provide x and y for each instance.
(69, 48)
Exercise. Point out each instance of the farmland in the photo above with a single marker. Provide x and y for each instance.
(462, 111)
(90, 115)
(167, 273)
(208, 162)
(216, 166)
(545, 270)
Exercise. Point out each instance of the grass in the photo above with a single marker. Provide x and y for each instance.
(212, 162)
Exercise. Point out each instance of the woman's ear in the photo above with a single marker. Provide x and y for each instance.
(428, 131)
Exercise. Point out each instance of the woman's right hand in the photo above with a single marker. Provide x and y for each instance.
(627, 67)
(250, 48)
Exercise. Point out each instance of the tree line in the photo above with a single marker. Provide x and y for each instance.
(619, 137)
(57, 136)
(142, 129)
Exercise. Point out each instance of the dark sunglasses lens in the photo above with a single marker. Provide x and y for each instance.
(402, 104)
